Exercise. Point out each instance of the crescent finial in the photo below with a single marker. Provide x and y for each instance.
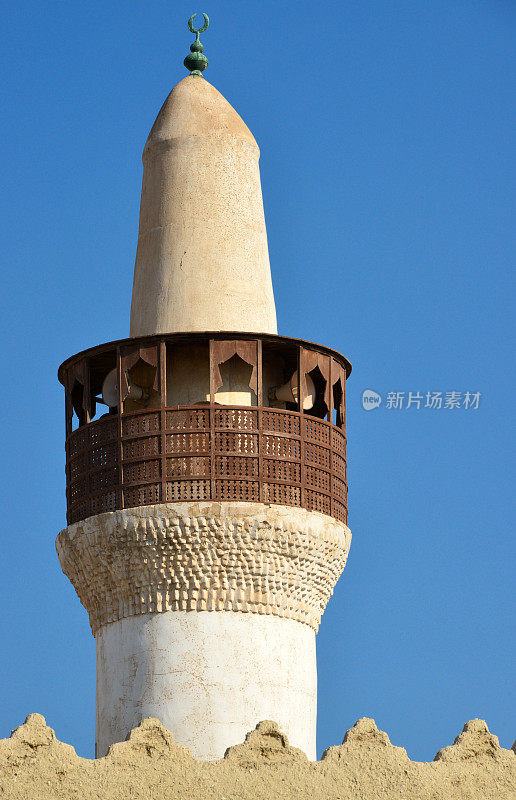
(198, 30)
(195, 61)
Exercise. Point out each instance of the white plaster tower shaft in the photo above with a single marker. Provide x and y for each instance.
(207, 507)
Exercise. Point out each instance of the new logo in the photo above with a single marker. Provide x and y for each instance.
(370, 399)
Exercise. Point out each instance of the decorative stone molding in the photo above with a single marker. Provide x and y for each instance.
(205, 557)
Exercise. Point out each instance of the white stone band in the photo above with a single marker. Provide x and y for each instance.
(247, 557)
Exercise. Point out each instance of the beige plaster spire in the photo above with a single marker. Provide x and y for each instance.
(202, 261)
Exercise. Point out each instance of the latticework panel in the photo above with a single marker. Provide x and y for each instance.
(339, 490)
(187, 443)
(102, 456)
(339, 511)
(187, 466)
(144, 447)
(104, 481)
(338, 442)
(276, 470)
(338, 464)
(79, 491)
(142, 495)
(316, 431)
(281, 447)
(246, 491)
(110, 501)
(236, 467)
(188, 419)
(318, 479)
(187, 490)
(92, 469)
(78, 466)
(142, 472)
(317, 455)
(318, 502)
(229, 442)
(100, 434)
(241, 419)
(281, 494)
(138, 424)
(81, 510)
(78, 442)
(279, 422)
(206, 453)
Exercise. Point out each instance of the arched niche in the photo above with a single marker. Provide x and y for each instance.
(338, 380)
(140, 368)
(317, 366)
(234, 372)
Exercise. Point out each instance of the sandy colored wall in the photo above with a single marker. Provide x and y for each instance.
(35, 765)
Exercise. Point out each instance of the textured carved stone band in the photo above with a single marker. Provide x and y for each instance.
(205, 557)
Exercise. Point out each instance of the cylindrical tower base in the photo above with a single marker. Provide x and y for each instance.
(205, 616)
(210, 677)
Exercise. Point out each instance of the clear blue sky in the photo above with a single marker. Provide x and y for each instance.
(387, 138)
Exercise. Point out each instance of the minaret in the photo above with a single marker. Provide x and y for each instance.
(205, 459)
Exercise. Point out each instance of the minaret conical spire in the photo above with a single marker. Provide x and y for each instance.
(202, 262)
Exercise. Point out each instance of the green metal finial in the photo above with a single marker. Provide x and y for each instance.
(195, 61)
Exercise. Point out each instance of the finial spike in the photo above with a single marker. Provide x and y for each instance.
(195, 61)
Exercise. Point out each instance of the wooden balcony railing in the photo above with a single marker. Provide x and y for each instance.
(212, 452)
